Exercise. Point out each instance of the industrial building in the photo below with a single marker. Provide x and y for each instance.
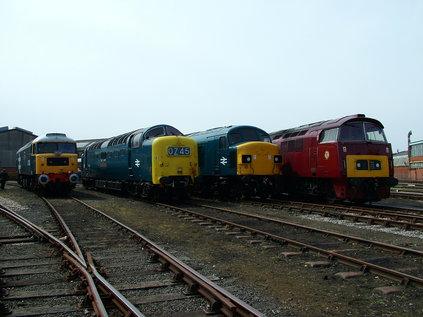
(12, 140)
(408, 165)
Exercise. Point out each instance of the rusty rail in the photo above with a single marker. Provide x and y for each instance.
(353, 262)
(356, 214)
(220, 301)
(106, 288)
(344, 237)
(67, 253)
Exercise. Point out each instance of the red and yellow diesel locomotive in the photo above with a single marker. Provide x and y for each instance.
(344, 159)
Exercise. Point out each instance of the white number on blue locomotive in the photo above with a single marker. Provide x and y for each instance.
(178, 151)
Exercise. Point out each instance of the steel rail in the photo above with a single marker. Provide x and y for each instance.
(406, 214)
(344, 237)
(414, 196)
(117, 298)
(220, 301)
(120, 301)
(93, 294)
(67, 253)
(395, 213)
(66, 229)
(364, 266)
(412, 222)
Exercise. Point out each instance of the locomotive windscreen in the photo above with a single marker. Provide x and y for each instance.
(53, 147)
(361, 131)
(247, 135)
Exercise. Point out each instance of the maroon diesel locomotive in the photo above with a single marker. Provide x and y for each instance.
(344, 159)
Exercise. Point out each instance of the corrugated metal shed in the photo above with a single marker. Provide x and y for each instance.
(10, 141)
(401, 159)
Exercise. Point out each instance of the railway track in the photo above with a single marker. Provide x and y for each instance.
(402, 265)
(407, 195)
(146, 280)
(405, 218)
(413, 191)
(37, 280)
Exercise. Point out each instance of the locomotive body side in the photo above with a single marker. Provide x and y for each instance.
(48, 163)
(236, 161)
(146, 162)
(347, 159)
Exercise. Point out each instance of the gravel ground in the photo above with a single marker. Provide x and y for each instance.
(264, 278)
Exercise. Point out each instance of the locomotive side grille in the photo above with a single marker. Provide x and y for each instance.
(57, 161)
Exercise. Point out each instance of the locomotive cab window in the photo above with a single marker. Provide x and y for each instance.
(237, 136)
(136, 140)
(154, 133)
(52, 147)
(352, 131)
(361, 131)
(330, 135)
(173, 131)
(374, 132)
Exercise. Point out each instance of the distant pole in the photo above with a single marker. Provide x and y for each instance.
(409, 147)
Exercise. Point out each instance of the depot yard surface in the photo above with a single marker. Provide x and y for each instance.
(264, 278)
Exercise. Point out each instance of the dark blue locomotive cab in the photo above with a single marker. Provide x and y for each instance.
(147, 162)
(236, 161)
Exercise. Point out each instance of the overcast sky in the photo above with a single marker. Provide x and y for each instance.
(95, 69)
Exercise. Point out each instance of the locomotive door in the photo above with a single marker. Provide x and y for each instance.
(221, 156)
(313, 158)
(130, 170)
(215, 153)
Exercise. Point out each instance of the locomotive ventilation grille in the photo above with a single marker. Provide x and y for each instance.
(57, 161)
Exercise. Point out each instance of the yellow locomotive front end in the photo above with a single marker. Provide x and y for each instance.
(258, 158)
(55, 168)
(174, 161)
(367, 166)
(48, 163)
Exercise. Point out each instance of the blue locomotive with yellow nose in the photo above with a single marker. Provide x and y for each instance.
(237, 161)
(153, 163)
(48, 163)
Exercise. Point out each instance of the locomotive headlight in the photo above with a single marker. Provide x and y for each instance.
(278, 159)
(246, 159)
(375, 165)
(74, 178)
(362, 165)
(43, 179)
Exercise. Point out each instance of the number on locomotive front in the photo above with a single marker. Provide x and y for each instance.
(179, 151)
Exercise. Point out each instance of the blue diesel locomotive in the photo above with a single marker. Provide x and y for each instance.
(152, 163)
(236, 161)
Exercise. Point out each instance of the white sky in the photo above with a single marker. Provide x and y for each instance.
(95, 69)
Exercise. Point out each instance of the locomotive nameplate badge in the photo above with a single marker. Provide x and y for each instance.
(327, 155)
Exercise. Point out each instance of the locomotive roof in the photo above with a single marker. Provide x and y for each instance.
(49, 137)
(321, 125)
(123, 138)
(53, 137)
(221, 130)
